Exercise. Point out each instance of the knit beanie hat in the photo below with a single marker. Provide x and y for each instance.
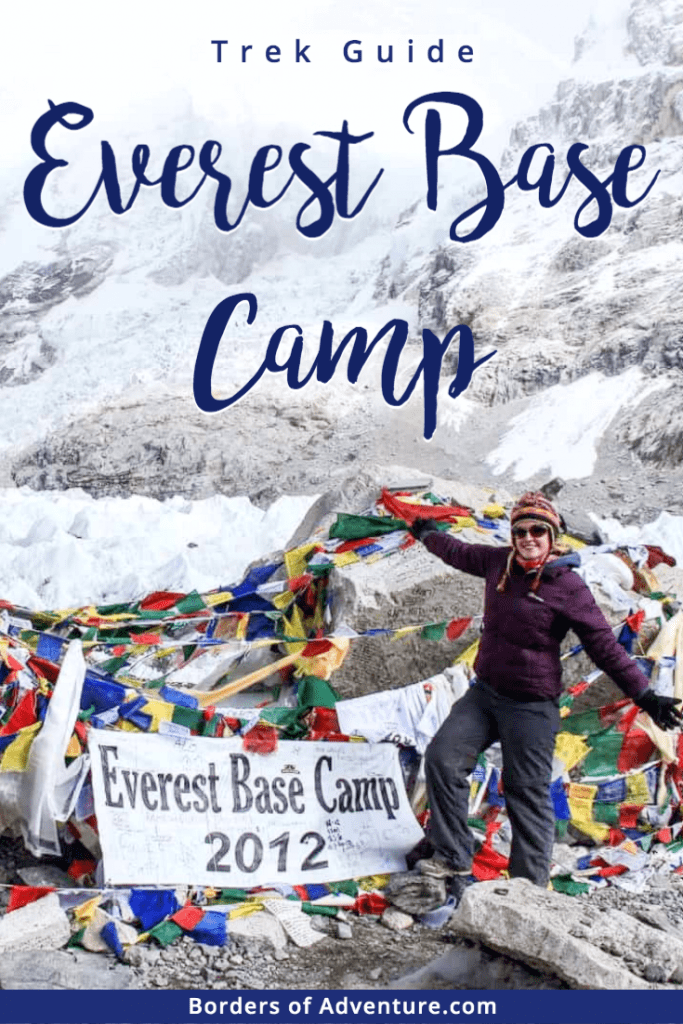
(534, 505)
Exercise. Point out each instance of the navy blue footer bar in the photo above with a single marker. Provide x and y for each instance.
(365, 1007)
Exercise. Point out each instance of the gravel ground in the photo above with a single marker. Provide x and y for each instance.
(373, 958)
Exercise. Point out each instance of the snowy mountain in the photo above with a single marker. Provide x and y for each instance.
(101, 321)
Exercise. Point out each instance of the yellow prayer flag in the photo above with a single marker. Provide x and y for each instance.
(493, 511)
(637, 789)
(594, 829)
(15, 756)
(345, 558)
(244, 910)
(404, 631)
(220, 598)
(580, 799)
(85, 912)
(371, 882)
(74, 747)
(468, 655)
(296, 560)
(570, 748)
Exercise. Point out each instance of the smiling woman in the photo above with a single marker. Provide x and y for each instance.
(533, 598)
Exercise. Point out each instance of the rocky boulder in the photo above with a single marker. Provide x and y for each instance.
(586, 947)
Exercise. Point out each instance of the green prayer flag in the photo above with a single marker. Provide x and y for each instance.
(113, 665)
(287, 720)
(433, 631)
(233, 895)
(350, 527)
(76, 939)
(114, 609)
(211, 725)
(166, 932)
(318, 908)
(477, 823)
(348, 887)
(606, 814)
(604, 754)
(567, 885)
(314, 692)
(584, 724)
(190, 603)
(192, 718)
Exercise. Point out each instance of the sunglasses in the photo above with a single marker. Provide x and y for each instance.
(532, 531)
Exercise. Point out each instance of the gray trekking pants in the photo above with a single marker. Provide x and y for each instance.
(526, 730)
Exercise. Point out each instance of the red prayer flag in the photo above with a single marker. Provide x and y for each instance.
(315, 647)
(24, 714)
(262, 739)
(298, 582)
(628, 815)
(612, 869)
(188, 917)
(370, 903)
(488, 863)
(408, 511)
(81, 730)
(22, 895)
(636, 620)
(44, 668)
(578, 689)
(456, 627)
(160, 600)
(78, 868)
(637, 749)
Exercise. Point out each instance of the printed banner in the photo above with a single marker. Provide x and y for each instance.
(202, 811)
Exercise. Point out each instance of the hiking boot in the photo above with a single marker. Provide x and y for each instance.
(435, 867)
(456, 886)
(421, 851)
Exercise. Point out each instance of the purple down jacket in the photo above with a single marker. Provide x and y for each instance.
(519, 651)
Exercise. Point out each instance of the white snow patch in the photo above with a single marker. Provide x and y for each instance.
(560, 429)
(65, 549)
(666, 532)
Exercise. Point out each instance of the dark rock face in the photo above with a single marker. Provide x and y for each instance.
(29, 293)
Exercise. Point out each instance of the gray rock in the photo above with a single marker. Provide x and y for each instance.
(655, 917)
(36, 926)
(585, 947)
(63, 970)
(260, 927)
(45, 874)
(415, 894)
(475, 967)
(395, 920)
(410, 587)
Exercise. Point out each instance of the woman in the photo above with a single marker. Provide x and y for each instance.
(532, 599)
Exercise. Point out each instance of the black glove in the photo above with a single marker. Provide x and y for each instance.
(421, 527)
(662, 710)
